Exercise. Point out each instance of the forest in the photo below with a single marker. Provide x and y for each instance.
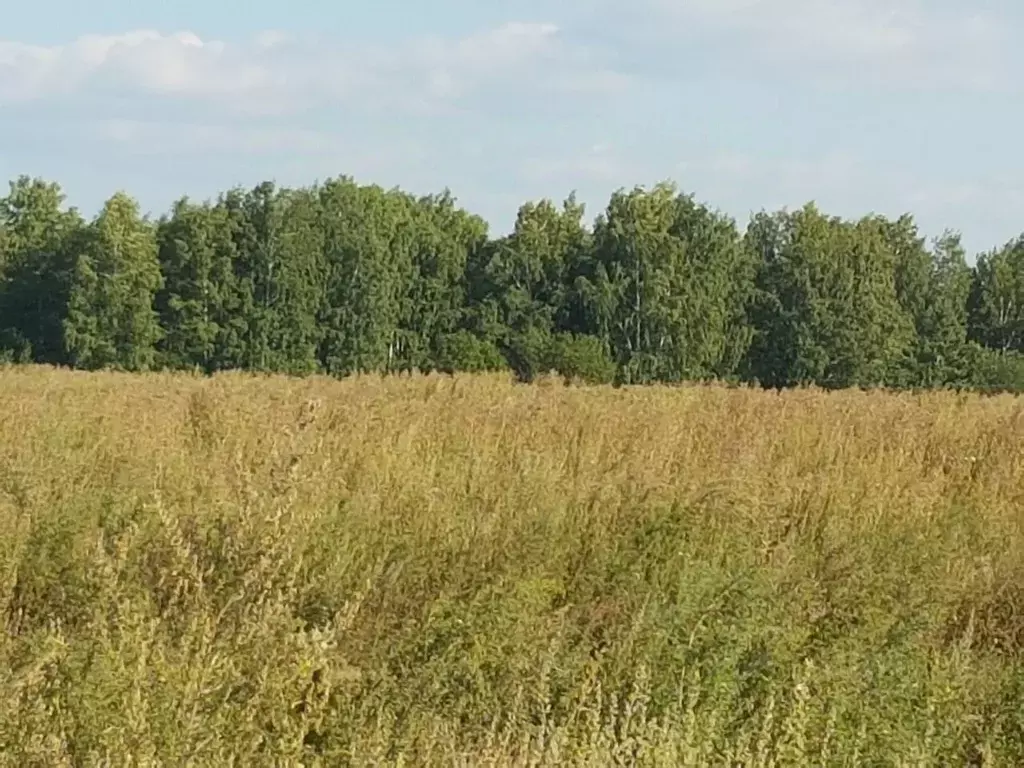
(343, 278)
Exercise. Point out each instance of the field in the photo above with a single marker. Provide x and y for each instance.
(435, 571)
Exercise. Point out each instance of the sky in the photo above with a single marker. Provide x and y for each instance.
(863, 106)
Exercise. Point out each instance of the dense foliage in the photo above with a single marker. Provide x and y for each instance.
(344, 278)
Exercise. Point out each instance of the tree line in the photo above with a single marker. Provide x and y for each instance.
(343, 278)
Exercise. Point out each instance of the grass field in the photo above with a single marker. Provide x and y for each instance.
(433, 571)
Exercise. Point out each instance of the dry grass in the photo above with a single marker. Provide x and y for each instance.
(432, 571)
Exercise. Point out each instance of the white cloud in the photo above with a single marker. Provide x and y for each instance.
(892, 42)
(276, 73)
(167, 64)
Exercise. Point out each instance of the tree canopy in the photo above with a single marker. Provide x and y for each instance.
(342, 278)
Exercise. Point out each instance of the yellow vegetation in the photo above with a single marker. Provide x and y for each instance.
(435, 571)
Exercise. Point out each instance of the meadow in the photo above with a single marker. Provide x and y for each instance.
(427, 570)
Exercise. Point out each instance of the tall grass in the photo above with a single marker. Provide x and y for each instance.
(433, 571)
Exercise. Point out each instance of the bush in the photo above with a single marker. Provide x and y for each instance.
(993, 371)
(582, 358)
(529, 354)
(462, 351)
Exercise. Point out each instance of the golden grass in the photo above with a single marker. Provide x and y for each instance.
(436, 571)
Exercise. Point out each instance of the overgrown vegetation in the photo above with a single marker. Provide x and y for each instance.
(459, 571)
(343, 278)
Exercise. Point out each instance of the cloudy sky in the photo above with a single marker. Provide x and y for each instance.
(860, 105)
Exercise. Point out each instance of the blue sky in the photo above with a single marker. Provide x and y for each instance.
(860, 105)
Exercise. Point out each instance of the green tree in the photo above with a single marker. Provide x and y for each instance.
(826, 308)
(297, 285)
(254, 279)
(196, 304)
(933, 288)
(997, 298)
(36, 259)
(259, 215)
(519, 284)
(434, 301)
(111, 321)
(368, 242)
(667, 287)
